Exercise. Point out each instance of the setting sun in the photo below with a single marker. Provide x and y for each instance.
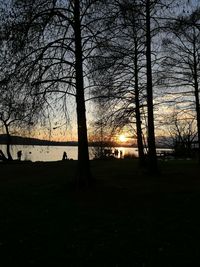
(122, 138)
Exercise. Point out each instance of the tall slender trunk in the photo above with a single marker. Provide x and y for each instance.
(137, 110)
(8, 142)
(152, 158)
(196, 93)
(84, 175)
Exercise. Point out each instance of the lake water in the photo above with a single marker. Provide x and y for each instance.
(54, 153)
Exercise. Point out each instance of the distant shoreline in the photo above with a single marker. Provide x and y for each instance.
(63, 144)
(18, 140)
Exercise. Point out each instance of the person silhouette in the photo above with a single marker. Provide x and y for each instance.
(116, 152)
(64, 156)
(19, 155)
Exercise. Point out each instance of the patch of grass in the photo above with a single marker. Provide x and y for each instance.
(126, 219)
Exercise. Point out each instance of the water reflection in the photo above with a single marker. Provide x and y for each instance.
(54, 153)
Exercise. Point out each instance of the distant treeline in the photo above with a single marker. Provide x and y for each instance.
(18, 140)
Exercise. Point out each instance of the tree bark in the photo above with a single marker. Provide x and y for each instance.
(152, 158)
(137, 111)
(196, 93)
(8, 143)
(83, 175)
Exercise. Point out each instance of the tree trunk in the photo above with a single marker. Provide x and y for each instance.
(196, 93)
(137, 111)
(84, 175)
(152, 158)
(8, 143)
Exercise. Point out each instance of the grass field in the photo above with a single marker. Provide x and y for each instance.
(127, 219)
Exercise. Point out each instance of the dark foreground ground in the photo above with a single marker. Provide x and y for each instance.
(127, 219)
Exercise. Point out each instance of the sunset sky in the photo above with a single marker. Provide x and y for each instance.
(62, 129)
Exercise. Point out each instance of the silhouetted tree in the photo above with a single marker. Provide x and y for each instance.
(19, 109)
(181, 129)
(127, 60)
(155, 14)
(183, 61)
(119, 68)
(58, 38)
(150, 132)
(102, 135)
